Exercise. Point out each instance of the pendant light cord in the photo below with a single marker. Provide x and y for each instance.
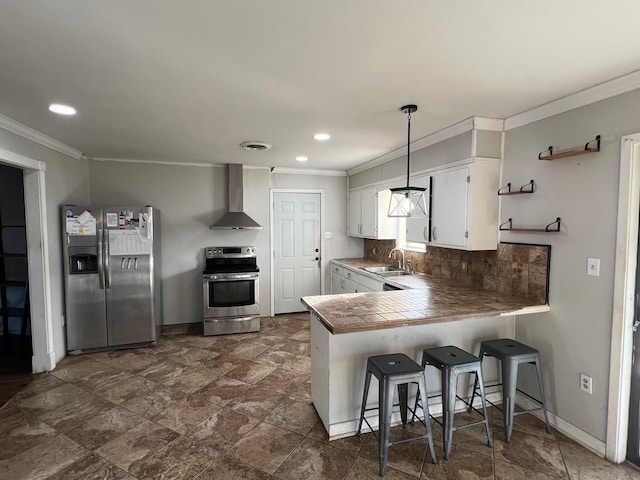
(408, 143)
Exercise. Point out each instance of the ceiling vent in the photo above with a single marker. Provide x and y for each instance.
(255, 146)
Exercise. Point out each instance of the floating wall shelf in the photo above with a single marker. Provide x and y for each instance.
(526, 188)
(589, 147)
(553, 227)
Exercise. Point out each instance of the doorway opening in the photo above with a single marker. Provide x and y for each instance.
(15, 346)
(621, 370)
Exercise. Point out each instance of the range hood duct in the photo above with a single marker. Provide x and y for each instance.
(235, 218)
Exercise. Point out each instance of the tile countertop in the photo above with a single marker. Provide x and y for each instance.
(425, 300)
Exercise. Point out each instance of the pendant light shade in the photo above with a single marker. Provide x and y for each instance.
(408, 201)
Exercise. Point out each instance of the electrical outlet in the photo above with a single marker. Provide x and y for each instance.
(593, 267)
(586, 383)
(327, 234)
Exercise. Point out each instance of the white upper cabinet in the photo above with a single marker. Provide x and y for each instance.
(368, 214)
(464, 206)
(418, 227)
(449, 208)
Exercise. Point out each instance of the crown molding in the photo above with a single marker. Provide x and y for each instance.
(156, 162)
(29, 133)
(480, 123)
(309, 171)
(617, 86)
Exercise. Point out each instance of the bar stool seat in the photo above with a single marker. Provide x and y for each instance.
(453, 361)
(393, 370)
(511, 354)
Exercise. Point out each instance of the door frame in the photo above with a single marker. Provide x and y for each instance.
(272, 240)
(44, 358)
(623, 298)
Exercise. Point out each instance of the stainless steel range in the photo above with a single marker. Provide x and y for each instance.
(230, 290)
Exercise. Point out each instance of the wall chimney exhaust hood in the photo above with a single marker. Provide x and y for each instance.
(235, 218)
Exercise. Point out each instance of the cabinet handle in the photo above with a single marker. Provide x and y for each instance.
(425, 233)
(360, 228)
(336, 269)
(349, 274)
(433, 233)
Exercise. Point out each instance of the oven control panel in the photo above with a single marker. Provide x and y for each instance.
(230, 252)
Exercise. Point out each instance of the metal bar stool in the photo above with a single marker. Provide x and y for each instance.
(393, 370)
(453, 361)
(511, 354)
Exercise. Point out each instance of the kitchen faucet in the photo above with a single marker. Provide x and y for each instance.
(400, 265)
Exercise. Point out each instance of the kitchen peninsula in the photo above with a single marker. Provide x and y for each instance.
(428, 312)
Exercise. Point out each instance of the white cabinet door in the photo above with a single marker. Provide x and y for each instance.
(368, 213)
(355, 217)
(348, 286)
(418, 227)
(449, 207)
(336, 284)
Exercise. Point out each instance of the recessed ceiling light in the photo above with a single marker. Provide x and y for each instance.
(322, 136)
(62, 109)
(302, 158)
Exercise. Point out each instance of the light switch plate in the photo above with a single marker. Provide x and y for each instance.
(593, 267)
(327, 234)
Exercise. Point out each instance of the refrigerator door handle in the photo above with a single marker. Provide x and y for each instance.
(100, 260)
(107, 265)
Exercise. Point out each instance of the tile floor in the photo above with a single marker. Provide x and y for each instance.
(234, 407)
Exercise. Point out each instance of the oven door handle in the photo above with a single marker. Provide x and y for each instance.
(231, 278)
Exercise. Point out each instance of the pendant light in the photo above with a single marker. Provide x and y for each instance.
(408, 201)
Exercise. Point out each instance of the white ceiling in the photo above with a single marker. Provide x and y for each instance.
(188, 81)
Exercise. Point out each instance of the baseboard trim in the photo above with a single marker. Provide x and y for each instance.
(585, 439)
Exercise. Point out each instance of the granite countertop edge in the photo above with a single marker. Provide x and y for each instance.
(418, 286)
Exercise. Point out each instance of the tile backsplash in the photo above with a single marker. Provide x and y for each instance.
(516, 269)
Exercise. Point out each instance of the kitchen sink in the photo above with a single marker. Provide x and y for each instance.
(387, 271)
(383, 269)
(394, 273)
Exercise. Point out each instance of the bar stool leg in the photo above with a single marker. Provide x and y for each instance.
(422, 392)
(365, 394)
(403, 397)
(384, 430)
(475, 381)
(487, 424)
(449, 389)
(509, 379)
(542, 398)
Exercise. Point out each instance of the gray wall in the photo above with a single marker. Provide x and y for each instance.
(575, 336)
(67, 181)
(335, 217)
(190, 199)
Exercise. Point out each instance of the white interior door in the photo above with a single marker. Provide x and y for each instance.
(296, 223)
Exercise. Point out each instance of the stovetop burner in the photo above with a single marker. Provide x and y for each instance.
(230, 260)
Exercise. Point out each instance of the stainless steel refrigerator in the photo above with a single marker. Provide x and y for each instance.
(112, 277)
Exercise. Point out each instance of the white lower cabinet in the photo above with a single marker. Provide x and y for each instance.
(346, 280)
(342, 280)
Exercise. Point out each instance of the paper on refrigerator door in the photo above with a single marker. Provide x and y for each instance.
(83, 224)
(127, 242)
